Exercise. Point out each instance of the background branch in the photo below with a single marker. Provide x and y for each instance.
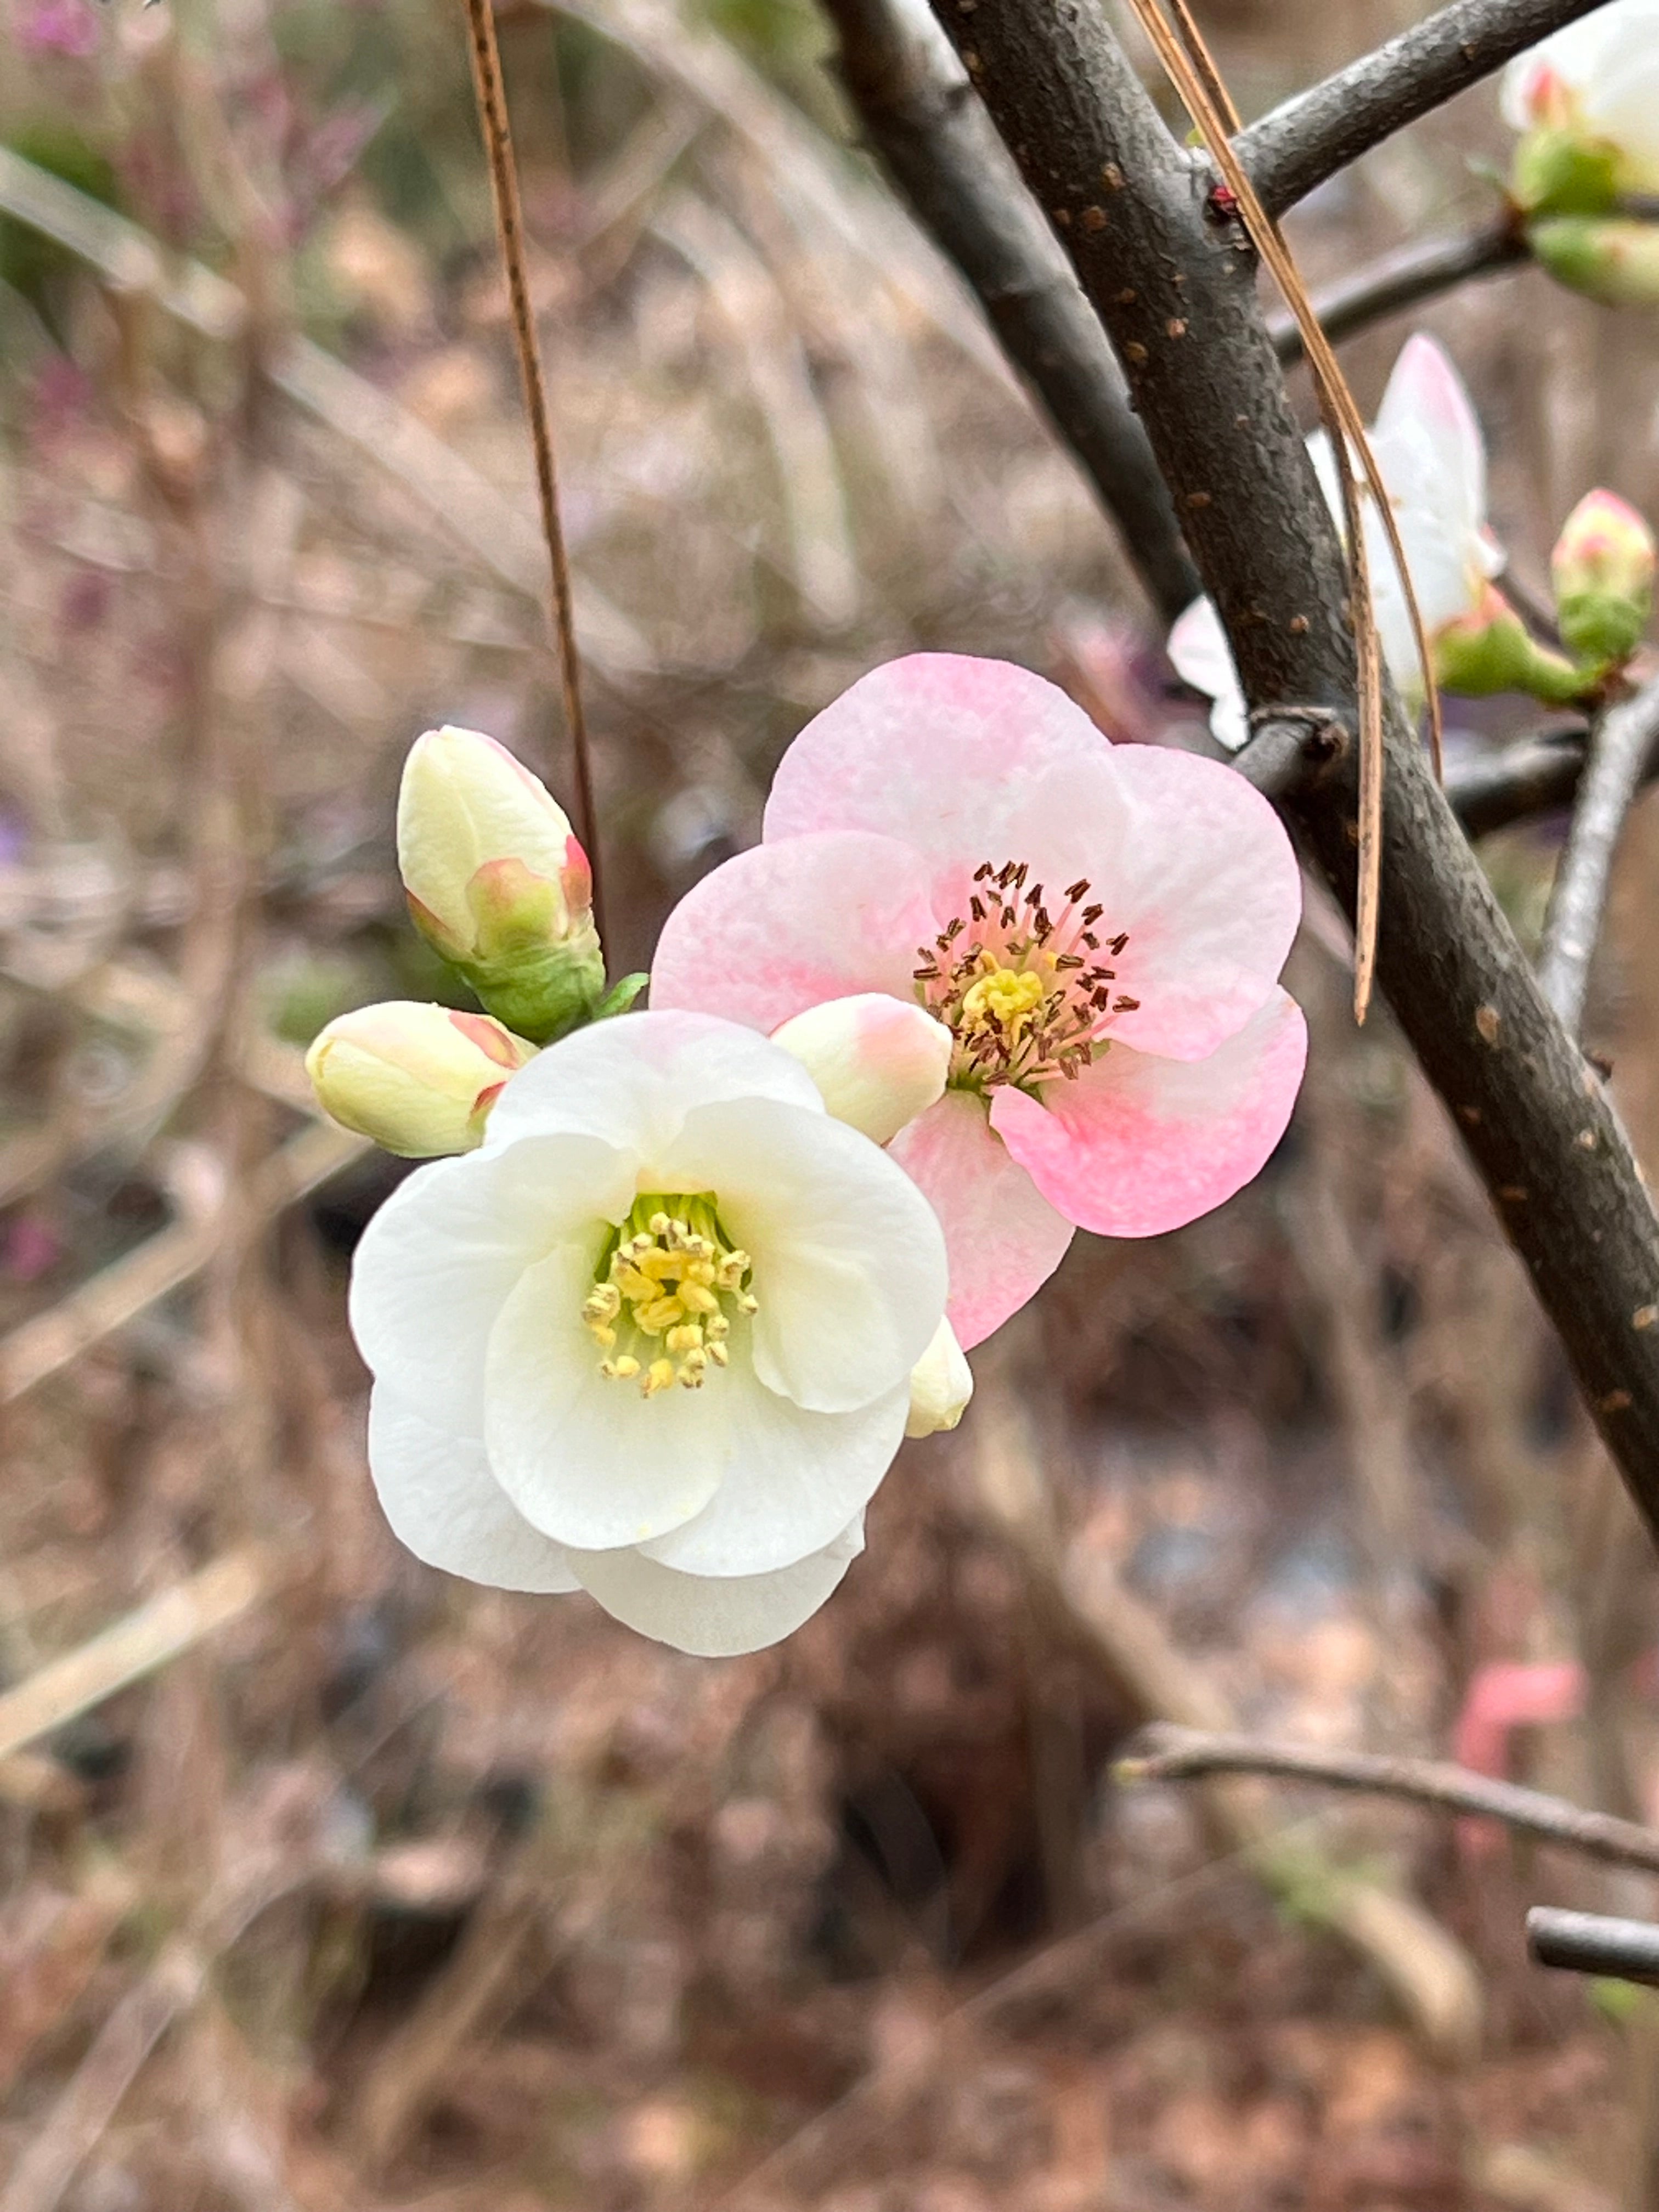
(1622, 741)
(940, 149)
(1422, 271)
(1310, 137)
(1167, 1753)
(1178, 299)
(1594, 1943)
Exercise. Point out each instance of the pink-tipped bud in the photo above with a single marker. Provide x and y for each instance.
(941, 1383)
(419, 1080)
(497, 882)
(1602, 569)
(878, 1061)
(1490, 649)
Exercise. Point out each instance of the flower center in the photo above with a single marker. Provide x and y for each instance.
(664, 1293)
(1026, 994)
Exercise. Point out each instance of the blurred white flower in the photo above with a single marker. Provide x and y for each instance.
(654, 1339)
(1593, 89)
(1432, 460)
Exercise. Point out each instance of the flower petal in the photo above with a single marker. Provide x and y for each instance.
(587, 1460)
(445, 1506)
(849, 1264)
(1139, 1143)
(792, 1480)
(780, 928)
(1208, 888)
(716, 1617)
(934, 749)
(1198, 647)
(435, 1267)
(1003, 1238)
(633, 1080)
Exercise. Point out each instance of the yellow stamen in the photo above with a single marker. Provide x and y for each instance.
(666, 1288)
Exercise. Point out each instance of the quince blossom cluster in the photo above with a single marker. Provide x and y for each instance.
(673, 1286)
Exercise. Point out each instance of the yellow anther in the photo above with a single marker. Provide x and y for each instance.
(668, 1291)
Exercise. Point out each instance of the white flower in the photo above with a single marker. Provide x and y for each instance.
(1597, 80)
(654, 1339)
(1432, 460)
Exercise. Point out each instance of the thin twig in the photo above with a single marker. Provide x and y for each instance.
(1320, 131)
(1594, 1943)
(491, 90)
(937, 145)
(1620, 742)
(1178, 1754)
(1419, 272)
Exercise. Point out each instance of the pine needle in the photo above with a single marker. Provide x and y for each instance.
(1191, 69)
(491, 90)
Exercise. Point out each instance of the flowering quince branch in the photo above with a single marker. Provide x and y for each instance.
(1622, 741)
(1163, 270)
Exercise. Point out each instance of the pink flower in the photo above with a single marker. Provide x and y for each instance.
(1100, 927)
(58, 27)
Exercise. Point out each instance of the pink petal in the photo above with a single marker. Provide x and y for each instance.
(936, 749)
(783, 927)
(1209, 890)
(1002, 1239)
(1140, 1144)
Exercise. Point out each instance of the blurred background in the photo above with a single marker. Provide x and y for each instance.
(328, 1882)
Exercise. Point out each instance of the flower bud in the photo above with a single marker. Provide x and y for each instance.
(1615, 261)
(497, 882)
(941, 1383)
(419, 1080)
(878, 1061)
(1602, 570)
(1490, 649)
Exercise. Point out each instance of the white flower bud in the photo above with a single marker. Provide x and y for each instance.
(419, 1080)
(497, 882)
(941, 1383)
(877, 1062)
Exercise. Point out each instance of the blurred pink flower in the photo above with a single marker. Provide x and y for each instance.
(1100, 927)
(57, 27)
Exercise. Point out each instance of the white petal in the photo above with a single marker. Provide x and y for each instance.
(849, 1257)
(1198, 647)
(435, 1267)
(792, 1478)
(716, 1617)
(632, 1081)
(941, 1385)
(587, 1460)
(878, 1062)
(445, 1506)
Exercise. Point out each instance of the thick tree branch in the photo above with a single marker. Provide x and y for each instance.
(1320, 131)
(1168, 1753)
(1620, 744)
(1175, 289)
(1422, 271)
(939, 147)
